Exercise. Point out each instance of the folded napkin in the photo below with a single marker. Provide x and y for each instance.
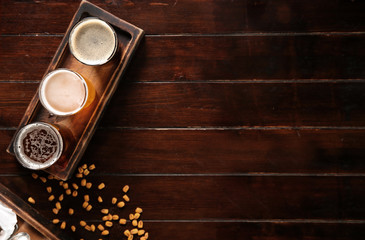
(7, 222)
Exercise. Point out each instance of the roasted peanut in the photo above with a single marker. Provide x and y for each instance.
(140, 232)
(131, 216)
(55, 221)
(125, 188)
(108, 224)
(51, 198)
(89, 207)
(83, 182)
(101, 186)
(101, 227)
(82, 223)
(114, 200)
(73, 228)
(137, 215)
(92, 167)
(105, 232)
(43, 179)
(49, 189)
(138, 210)
(134, 231)
(134, 223)
(55, 211)
(74, 193)
(92, 227)
(50, 177)
(105, 211)
(86, 172)
(127, 233)
(84, 166)
(63, 225)
(89, 185)
(126, 198)
(65, 185)
(71, 211)
(74, 185)
(68, 191)
(140, 224)
(100, 200)
(58, 205)
(120, 204)
(122, 221)
(60, 198)
(86, 198)
(79, 175)
(115, 217)
(31, 200)
(34, 175)
(85, 204)
(130, 237)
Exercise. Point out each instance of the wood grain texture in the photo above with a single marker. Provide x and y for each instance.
(217, 152)
(215, 104)
(218, 197)
(189, 16)
(200, 58)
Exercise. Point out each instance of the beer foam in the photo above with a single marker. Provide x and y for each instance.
(93, 41)
(63, 92)
(38, 145)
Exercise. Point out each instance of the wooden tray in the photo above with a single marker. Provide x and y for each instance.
(31, 216)
(104, 79)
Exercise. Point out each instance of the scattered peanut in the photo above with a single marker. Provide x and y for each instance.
(84, 166)
(73, 228)
(83, 182)
(63, 225)
(34, 175)
(51, 198)
(134, 223)
(74, 185)
(86, 198)
(146, 235)
(92, 227)
(101, 186)
(140, 232)
(100, 200)
(82, 223)
(79, 175)
(105, 232)
(134, 231)
(131, 216)
(60, 198)
(58, 205)
(50, 177)
(31, 200)
(125, 188)
(108, 224)
(115, 217)
(130, 237)
(127, 233)
(114, 200)
(80, 169)
(85, 204)
(105, 218)
(139, 210)
(49, 189)
(92, 167)
(86, 172)
(89, 207)
(55, 211)
(43, 179)
(137, 215)
(74, 193)
(122, 221)
(65, 185)
(101, 227)
(105, 211)
(71, 211)
(126, 198)
(87, 227)
(60, 183)
(140, 224)
(55, 221)
(110, 217)
(68, 191)
(88, 185)
(121, 204)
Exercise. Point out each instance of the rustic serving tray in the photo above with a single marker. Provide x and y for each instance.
(104, 80)
(31, 216)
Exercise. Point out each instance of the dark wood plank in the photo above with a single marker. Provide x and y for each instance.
(217, 152)
(204, 197)
(263, 231)
(215, 104)
(187, 58)
(189, 16)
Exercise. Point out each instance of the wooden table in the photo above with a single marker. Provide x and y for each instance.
(235, 120)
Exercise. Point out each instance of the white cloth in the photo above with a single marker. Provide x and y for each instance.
(7, 222)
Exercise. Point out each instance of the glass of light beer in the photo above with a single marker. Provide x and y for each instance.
(63, 92)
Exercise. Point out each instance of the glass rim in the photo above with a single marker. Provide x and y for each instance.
(71, 45)
(30, 163)
(45, 103)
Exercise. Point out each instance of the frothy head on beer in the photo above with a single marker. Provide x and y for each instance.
(38, 145)
(93, 41)
(63, 92)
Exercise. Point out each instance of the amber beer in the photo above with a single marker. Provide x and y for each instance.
(38, 145)
(93, 41)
